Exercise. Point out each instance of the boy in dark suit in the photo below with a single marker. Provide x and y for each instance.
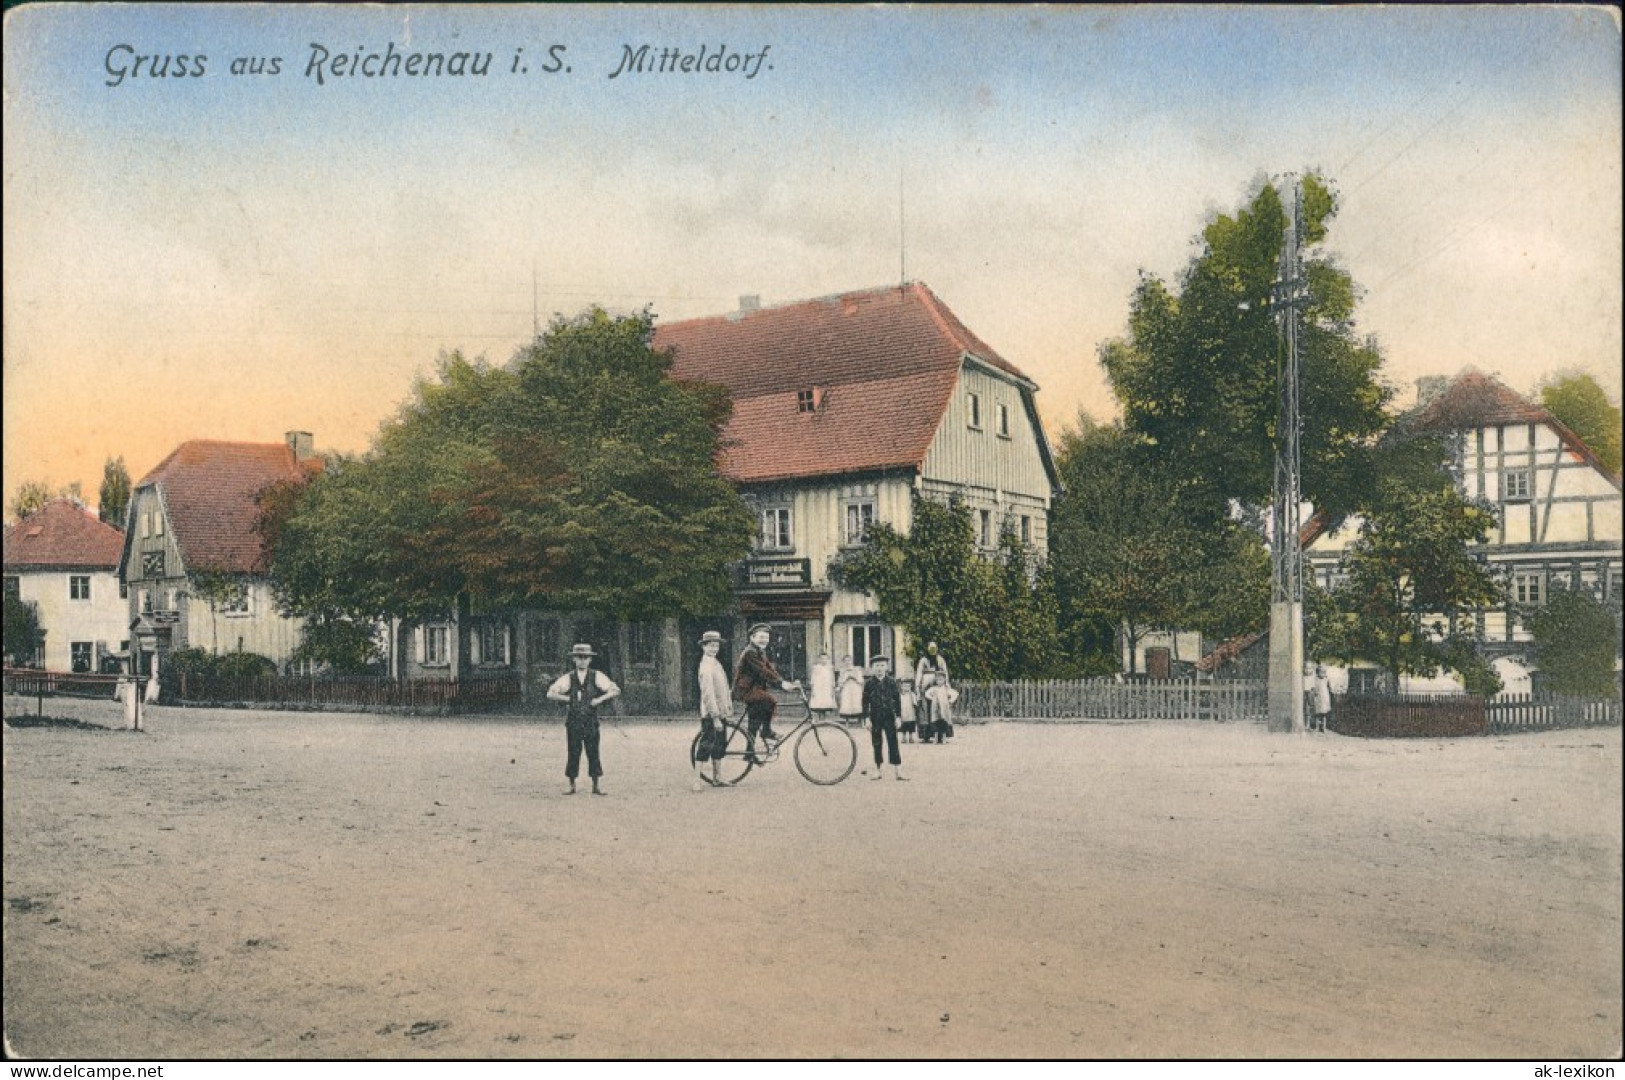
(882, 705)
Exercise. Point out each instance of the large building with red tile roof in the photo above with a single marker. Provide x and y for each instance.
(843, 408)
(64, 559)
(192, 559)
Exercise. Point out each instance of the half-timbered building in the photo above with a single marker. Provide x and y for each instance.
(1558, 507)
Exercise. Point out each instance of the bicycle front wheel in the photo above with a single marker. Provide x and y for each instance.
(734, 763)
(826, 753)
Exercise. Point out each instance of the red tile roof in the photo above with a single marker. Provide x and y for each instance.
(210, 490)
(1229, 651)
(1474, 399)
(886, 361)
(62, 535)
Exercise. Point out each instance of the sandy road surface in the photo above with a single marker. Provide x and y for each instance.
(267, 885)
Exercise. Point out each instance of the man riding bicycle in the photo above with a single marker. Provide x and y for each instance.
(754, 680)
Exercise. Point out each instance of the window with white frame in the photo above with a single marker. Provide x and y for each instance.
(235, 601)
(776, 534)
(857, 512)
(973, 404)
(985, 527)
(1529, 587)
(1002, 419)
(145, 597)
(492, 642)
(78, 586)
(436, 650)
(1515, 485)
(80, 654)
(867, 641)
(1026, 529)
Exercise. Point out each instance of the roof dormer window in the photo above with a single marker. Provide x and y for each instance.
(809, 400)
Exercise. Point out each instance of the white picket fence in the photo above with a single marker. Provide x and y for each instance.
(1108, 699)
(1535, 712)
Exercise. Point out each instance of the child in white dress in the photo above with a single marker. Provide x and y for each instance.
(822, 687)
(908, 720)
(851, 691)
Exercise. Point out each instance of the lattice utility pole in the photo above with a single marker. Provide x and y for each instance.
(1286, 555)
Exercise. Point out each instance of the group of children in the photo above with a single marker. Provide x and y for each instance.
(925, 707)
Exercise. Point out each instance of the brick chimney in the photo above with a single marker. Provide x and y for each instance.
(303, 445)
(1429, 387)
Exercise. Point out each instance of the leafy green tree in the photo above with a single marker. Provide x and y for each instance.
(23, 634)
(578, 477)
(995, 618)
(1577, 640)
(1197, 373)
(1410, 584)
(32, 495)
(340, 645)
(113, 500)
(1583, 407)
(1137, 545)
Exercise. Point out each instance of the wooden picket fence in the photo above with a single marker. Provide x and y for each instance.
(343, 691)
(1539, 712)
(1108, 699)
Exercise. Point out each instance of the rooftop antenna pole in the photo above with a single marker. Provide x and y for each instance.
(902, 234)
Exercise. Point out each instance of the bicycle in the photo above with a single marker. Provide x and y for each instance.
(824, 753)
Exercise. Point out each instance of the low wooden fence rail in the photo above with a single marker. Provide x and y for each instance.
(343, 691)
(1408, 715)
(1435, 715)
(33, 682)
(1108, 699)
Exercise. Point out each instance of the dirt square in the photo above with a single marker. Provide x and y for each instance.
(261, 885)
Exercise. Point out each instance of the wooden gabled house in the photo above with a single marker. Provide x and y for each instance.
(193, 560)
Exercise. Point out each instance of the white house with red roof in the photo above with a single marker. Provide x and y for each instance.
(192, 524)
(1558, 512)
(63, 559)
(843, 408)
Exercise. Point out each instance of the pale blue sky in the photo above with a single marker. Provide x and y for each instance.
(235, 256)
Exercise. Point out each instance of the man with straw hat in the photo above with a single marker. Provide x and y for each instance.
(715, 708)
(582, 690)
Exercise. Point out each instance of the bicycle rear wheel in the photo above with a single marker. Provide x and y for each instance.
(826, 753)
(734, 763)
